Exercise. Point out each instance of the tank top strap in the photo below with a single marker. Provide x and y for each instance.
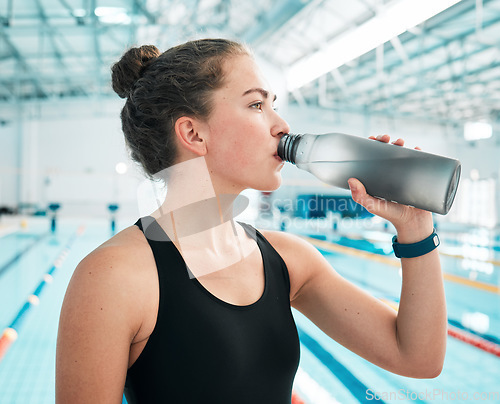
(165, 253)
(269, 253)
(151, 229)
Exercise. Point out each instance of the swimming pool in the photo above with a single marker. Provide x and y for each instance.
(328, 373)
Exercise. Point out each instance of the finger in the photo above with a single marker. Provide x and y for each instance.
(418, 148)
(383, 138)
(399, 142)
(372, 137)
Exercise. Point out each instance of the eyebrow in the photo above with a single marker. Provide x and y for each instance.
(264, 93)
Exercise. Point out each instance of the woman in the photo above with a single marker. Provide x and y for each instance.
(188, 306)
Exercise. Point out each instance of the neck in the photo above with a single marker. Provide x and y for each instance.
(198, 216)
(195, 205)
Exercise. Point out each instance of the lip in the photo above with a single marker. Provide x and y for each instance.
(278, 157)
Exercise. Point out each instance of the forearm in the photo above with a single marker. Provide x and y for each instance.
(422, 320)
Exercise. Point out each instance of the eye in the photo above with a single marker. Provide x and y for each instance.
(257, 105)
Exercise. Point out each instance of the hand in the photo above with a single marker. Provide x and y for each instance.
(399, 215)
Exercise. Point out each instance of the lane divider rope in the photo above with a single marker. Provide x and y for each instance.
(312, 390)
(11, 333)
(14, 259)
(471, 339)
(329, 246)
(296, 398)
(474, 340)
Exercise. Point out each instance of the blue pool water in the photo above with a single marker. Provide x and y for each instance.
(328, 372)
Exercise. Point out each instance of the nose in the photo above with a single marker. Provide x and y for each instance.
(280, 126)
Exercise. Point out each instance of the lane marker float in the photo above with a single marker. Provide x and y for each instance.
(312, 390)
(10, 334)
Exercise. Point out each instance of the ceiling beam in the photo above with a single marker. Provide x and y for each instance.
(342, 107)
(141, 6)
(394, 19)
(95, 32)
(5, 21)
(428, 51)
(78, 19)
(435, 83)
(52, 34)
(8, 93)
(23, 65)
(281, 11)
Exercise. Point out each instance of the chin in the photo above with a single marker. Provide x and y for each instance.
(270, 185)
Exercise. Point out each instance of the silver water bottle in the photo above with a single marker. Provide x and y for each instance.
(394, 173)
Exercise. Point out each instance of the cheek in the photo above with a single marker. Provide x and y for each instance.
(236, 139)
(241, 156)
(252, 152)
(239, 143)
(238, 159)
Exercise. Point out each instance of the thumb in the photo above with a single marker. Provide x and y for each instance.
(359, 195)
(357, 189)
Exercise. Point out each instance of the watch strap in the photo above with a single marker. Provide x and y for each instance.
(416, 249)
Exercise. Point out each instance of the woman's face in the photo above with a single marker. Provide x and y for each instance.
(244, 131)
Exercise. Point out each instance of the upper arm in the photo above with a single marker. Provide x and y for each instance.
(98, 321)
(343, 311)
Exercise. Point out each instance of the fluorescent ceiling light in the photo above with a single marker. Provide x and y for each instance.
(392, 20)
(79, 12)
(112, 15)
(477, 130)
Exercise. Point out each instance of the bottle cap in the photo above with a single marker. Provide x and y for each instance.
(287, 146)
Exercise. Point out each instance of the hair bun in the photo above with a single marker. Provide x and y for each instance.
(129, 69)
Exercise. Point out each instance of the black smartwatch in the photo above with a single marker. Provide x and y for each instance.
(416, 249)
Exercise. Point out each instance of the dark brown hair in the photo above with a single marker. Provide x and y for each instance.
(162, 87)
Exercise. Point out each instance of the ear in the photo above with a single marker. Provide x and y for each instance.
(188, 132)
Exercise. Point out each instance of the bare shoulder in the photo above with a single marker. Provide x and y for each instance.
(104, 311)
(301, 258)
(131, 239)
(125, 255)
(119, 274)
(287, 244)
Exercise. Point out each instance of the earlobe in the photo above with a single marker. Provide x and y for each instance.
(188, 134)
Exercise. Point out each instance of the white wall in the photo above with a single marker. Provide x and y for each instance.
(68, 153)
(480, 177)
(9, 162)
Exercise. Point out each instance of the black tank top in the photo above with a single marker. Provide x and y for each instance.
(205, 350)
